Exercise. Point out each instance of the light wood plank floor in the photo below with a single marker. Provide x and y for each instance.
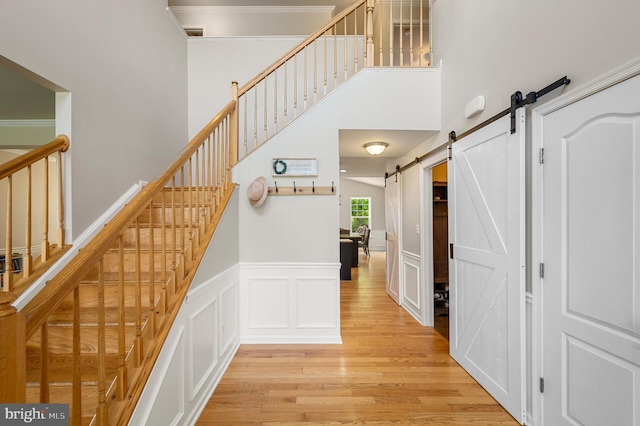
(389, 370)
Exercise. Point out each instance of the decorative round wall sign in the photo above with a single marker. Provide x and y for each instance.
(279, 167)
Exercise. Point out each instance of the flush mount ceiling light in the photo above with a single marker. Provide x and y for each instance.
(375, 148)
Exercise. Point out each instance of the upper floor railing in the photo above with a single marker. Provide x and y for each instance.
(31, 187)
(370, 33)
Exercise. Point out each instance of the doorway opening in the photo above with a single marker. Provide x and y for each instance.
(440, 250)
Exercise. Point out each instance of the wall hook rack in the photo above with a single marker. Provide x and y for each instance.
(302, 190)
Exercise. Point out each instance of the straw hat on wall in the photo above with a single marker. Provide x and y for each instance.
(257, 191)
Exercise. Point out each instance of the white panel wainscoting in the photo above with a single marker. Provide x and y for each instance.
(377, 240)
(203, 340)
(412, 293)
(290, 303)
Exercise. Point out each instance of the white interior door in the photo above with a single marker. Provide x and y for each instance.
(590, 183)
(487, 271)
(392, 214)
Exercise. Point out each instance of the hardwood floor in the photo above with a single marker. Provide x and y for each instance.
(389, 370)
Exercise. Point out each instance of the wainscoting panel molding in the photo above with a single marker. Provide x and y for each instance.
(315, 306)
(274, 314)
(229, 313)
(203, 348)
(412, 294)
(290, 303)
(199, 348)
(377, 241)
(169, 400)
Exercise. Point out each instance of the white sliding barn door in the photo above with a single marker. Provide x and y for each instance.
(487, 271)
(392, 214)
(590, 249)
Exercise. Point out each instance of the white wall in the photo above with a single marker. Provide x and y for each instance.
(125, 65)
(223, 252)
(216, 62)
(305, 229)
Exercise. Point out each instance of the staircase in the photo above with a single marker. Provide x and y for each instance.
(91, 337)
(114, 307)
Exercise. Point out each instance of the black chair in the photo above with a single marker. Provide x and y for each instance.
(364, 243)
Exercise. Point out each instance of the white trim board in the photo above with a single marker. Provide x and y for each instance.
(426, 222)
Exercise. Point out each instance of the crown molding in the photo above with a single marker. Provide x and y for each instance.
(254, 9)
(28, 123)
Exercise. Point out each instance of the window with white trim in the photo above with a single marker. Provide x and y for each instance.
(360, 212)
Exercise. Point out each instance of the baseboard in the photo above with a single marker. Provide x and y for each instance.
(77, 244)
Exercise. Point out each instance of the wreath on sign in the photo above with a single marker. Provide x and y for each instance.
(279, 167)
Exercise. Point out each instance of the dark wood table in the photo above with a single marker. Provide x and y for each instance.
(354, 247)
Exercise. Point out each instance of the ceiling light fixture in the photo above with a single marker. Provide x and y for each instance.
(376, 148)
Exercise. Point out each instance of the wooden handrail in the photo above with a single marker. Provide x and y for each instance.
(60, 143)
(12, 172)
(45, 302)
(291, 53)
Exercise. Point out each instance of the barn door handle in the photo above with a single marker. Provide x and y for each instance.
(451, 251)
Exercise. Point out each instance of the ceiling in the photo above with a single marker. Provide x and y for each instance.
(362, 166)
(400, 141)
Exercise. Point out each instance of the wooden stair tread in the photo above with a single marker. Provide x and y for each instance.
(61, 339)
(60, 366)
